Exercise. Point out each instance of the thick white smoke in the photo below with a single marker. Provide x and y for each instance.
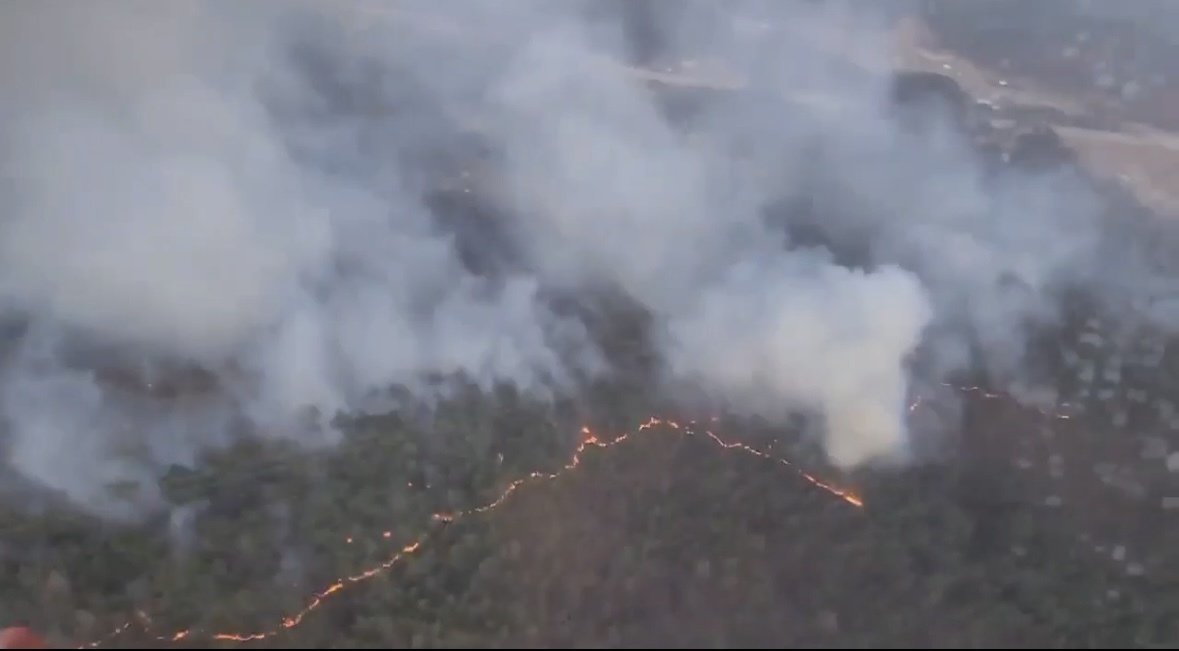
(609, 190)
(240, 188)
(153, 208)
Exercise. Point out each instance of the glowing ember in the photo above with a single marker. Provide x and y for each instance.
(588, 439)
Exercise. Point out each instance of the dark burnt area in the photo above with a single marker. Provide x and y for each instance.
(915, 92)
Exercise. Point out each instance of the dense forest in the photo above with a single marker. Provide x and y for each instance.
(662, 538)
(492, 518)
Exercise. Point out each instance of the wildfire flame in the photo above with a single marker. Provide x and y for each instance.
(1063, 413)
(588, 439)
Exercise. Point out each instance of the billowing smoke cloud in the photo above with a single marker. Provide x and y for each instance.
(243, 189)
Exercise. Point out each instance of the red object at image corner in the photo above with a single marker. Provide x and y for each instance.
(19, 637)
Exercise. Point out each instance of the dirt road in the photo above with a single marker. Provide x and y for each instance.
(1142, 158)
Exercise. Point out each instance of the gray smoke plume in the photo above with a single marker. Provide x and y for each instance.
(236, 195)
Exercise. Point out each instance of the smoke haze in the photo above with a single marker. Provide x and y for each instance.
(243, 188)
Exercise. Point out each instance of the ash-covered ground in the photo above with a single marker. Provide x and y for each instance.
(1031, 504)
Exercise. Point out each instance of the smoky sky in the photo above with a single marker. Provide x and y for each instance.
(307, 204)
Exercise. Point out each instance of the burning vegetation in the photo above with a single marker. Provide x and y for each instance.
(1027, 508)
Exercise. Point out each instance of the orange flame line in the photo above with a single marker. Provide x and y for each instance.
(991, 395)
(589, 439)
